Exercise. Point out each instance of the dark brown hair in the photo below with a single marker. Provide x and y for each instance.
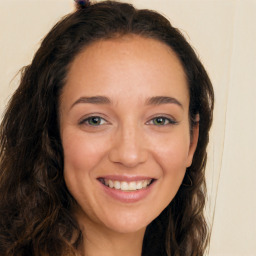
(35, 205)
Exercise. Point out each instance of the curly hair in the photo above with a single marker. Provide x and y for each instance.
(35, 204)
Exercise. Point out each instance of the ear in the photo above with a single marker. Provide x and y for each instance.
(193, 141)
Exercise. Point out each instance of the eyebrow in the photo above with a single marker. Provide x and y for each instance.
(159, 100)
(92, 100)
(156, 100)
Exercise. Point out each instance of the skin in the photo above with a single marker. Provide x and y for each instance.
(127, 140)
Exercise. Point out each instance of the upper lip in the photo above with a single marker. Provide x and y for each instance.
(125, 178)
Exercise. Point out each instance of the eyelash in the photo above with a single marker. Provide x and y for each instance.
(164, 118)
(167, 121)
(87, 120)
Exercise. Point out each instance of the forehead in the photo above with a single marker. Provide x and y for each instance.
(129, 66)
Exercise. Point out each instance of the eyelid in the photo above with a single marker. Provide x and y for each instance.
(172, 121)
(84, 119)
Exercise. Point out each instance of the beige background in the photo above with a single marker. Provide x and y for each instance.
(223, 33)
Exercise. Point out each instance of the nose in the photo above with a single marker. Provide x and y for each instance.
(128, 147)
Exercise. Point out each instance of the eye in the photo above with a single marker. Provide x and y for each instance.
(161, 121)
(93, 121)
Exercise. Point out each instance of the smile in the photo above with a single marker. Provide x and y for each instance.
(126, 186)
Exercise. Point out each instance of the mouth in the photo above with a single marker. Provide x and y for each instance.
(125, 185)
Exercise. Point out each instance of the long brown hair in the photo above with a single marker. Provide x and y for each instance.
(35, 205)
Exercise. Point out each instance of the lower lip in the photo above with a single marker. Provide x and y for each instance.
(127, 196)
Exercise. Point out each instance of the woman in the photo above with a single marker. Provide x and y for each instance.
(103, 145)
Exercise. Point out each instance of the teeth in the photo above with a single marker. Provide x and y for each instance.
(117, 185)
(139, 185)
(127, 186)
(132, 185)
(124, 186)
(110, 183)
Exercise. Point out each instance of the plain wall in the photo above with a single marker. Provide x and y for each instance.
(223, 32)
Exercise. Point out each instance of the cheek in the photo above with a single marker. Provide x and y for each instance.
(171, 155)
(172, 151)
(173, 164)
(80, 153)
(82, 158)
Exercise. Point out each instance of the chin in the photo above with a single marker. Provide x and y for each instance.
(128, 222)
(127, 227)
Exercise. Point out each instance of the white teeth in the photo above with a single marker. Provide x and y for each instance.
(110, 183)
(144, 183)
(139, 185)
(124, 185)
(132, 185)
(127, 186)
(117, 185)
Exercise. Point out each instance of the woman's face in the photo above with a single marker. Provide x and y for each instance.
(125, 132)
